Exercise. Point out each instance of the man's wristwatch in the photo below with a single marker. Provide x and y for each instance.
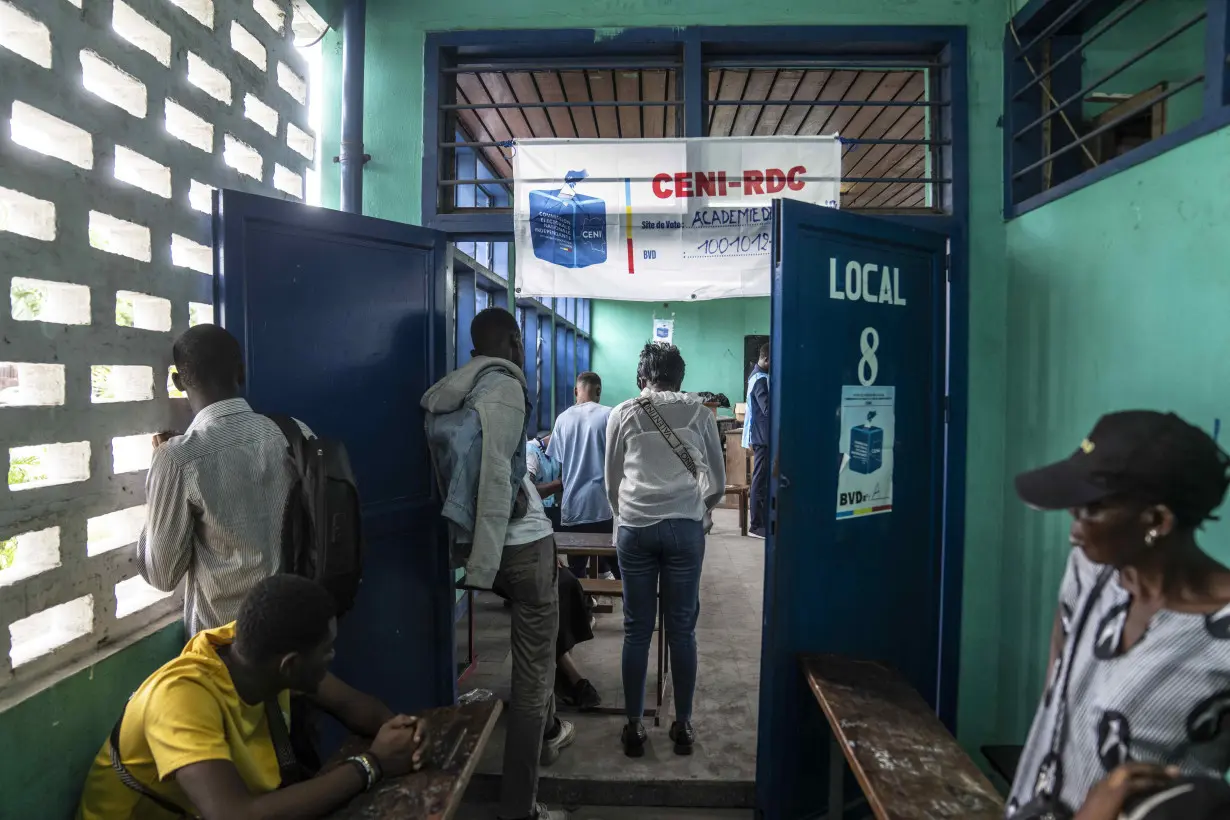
(368, 767)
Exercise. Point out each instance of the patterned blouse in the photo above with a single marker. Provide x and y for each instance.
(1166, 700)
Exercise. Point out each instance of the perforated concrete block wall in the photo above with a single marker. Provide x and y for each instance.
(119, 119)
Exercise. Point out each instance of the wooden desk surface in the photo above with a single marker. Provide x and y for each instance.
(564, 540)
(909, 766)
(435, 792)
(601, 552)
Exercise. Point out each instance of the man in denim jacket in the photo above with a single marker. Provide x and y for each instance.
(498, 531)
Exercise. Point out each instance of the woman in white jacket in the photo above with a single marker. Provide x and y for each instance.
(664, 475)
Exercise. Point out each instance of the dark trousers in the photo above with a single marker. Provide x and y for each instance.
(578, 563)
(758, 495)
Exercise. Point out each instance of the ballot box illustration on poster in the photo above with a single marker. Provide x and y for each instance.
(664, 331)
(568, 228)
(865, 474)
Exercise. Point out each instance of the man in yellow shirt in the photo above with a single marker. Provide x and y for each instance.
(195, 738)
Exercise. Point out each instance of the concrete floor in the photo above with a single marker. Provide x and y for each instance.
(594, 771)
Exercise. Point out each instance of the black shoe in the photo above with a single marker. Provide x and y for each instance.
(585, 696)
(683, 737)
(633, 737)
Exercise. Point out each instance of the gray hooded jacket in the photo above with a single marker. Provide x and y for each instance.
(475, 424)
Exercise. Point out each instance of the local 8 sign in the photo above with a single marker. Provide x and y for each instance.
(659, 220)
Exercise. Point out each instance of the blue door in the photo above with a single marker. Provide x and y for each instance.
(342, 322)
(853, 562)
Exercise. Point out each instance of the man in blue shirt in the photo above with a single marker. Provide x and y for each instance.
(756, 436)
(578, 442)
(545, 473)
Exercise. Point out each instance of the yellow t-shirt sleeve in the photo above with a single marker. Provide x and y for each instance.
(184, 725)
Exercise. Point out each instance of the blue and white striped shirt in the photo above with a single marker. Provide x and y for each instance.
(215, 498)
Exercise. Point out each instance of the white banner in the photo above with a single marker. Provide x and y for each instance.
(659, 220)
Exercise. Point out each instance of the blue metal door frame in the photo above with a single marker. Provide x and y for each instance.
(755, 45)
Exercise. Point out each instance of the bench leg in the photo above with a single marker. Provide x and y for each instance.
(837, 773)
(743, 513)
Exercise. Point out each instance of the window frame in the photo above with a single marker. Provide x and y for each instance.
(1073, 18)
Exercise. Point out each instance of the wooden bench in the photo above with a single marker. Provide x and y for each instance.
(456, 739)
(602, 586)
(908, 765)
(595, 545)
(743, 492)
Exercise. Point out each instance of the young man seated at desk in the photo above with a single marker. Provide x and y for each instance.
(195, 738)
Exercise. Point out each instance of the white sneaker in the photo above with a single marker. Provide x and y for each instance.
(563, 739)
(541, 812)
(607, 576)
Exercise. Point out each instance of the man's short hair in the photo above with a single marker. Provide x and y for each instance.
(764, 350)
(490, 327)
(207, 356)
(283, 614)
(661, 364)
(591, 380)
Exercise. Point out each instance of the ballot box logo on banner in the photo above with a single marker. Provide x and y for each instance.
(568, 228)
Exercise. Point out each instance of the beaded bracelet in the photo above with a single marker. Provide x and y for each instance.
(366, 770)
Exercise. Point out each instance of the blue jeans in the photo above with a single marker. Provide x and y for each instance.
(673, 549)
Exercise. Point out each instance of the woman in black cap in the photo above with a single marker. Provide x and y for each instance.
(1139, 684)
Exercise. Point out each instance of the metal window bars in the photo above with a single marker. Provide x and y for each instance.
(887, 111)
(1048, 79)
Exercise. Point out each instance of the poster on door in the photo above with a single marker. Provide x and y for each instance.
(664, 331)
(659, 220)
(865, 474)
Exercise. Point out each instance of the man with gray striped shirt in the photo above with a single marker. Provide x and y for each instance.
(215, 495)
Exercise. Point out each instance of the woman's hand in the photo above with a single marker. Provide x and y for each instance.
(1105, 800)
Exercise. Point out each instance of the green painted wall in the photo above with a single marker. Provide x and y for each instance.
(393, 135)
(50, 739)
(1118, 300)
(709, 334)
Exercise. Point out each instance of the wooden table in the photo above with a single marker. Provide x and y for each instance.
(581, 541)
(909, 766)
(742, 491)
(458, 735)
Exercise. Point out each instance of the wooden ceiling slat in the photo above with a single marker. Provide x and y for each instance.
(884, 160)
(892, 124)
(865, 195)
(911, 164)
(602, 88)
(576, 90)
(893, 192)
(628, 89)
(471, 91)
(853, 199)
(525, 91)
(813, 86)
(671, 115)
(501, 92)
(889, 118)
(784, 87)
(653, 87)
(734, 81)
(716, 76)
(843, 85)
(891, 82)
(550, 89)
(757, 89)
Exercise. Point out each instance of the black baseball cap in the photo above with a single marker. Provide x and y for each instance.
(1153, 457)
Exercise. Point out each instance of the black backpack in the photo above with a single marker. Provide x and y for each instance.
(322, 537)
